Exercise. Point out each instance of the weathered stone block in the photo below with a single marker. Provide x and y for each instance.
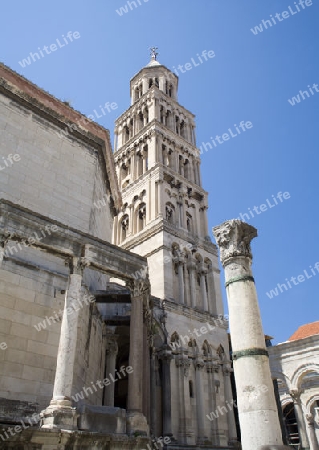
(103, 419)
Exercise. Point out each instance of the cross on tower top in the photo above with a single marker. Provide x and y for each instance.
(153, 53)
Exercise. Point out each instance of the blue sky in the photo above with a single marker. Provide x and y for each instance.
(251, 79)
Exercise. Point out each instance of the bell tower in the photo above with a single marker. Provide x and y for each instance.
(164, 218)
(164, 205)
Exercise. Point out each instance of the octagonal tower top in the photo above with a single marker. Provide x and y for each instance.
(154, 74)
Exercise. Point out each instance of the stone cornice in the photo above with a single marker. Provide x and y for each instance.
(201, 316)
(159, 225)
(290, 348)
(233, 238)
(66, 242)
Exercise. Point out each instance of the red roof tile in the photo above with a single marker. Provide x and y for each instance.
(310, 329)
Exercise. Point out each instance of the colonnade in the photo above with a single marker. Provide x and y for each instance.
(195, 281)
(206, 374)
(60, 413)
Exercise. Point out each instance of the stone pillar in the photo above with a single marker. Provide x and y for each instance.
(185, 434)
(203, 272)
(199, 365)
(232, 431)
(295, 394)
(110, 365)
(179, 260)
(136, 421)
(191, 268)
(211, 368)
(153, 393)
(259, 421)
(60, 413)
(312, 433)
(166, 357)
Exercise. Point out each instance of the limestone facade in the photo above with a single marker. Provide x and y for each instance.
(60, 316)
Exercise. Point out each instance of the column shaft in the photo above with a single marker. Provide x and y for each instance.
(259, 420)
(135, 393)
(67, 346)
(199, 402)
(203, 291)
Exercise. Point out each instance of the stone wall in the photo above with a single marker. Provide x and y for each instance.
(56, 175)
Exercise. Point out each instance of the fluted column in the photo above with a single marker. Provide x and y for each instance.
(199, 366)
(110, 364)
(232, 431)
(60, 413)
(259, 421)
(136, 421)
(295, 394)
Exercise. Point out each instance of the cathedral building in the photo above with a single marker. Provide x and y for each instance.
(112, 329)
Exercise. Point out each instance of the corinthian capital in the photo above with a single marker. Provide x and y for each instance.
(233, 239)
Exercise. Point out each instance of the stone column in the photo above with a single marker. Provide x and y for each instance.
(166, 357)
(211, 368)
(191, 268)
(311, 432)
(203, 273)
(185, 434)
(181, 279)
(136, 421)
(232, 432)
(295, 394)
(110, 365)
(199, 365)
(153, 393)
(259, 421)
(60, 413)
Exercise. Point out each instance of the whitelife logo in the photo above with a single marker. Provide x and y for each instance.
(53, 47)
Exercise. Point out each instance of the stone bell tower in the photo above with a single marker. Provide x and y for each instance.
(164, 219)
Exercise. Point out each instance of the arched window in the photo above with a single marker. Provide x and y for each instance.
(124, 227)
(126, 134)
(170, 213)
(162, 114)
(141, 217)
(139, 164)
(156, 82)
(186, 169)
(189, 223)
(182, 129)
(140, 120)
(191, 389)
(181, 165)
(150, 82)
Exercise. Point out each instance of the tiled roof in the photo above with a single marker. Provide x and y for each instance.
(310, 329)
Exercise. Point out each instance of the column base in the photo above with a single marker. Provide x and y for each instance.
(233, 442)
(59, 415)
(136, 424)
